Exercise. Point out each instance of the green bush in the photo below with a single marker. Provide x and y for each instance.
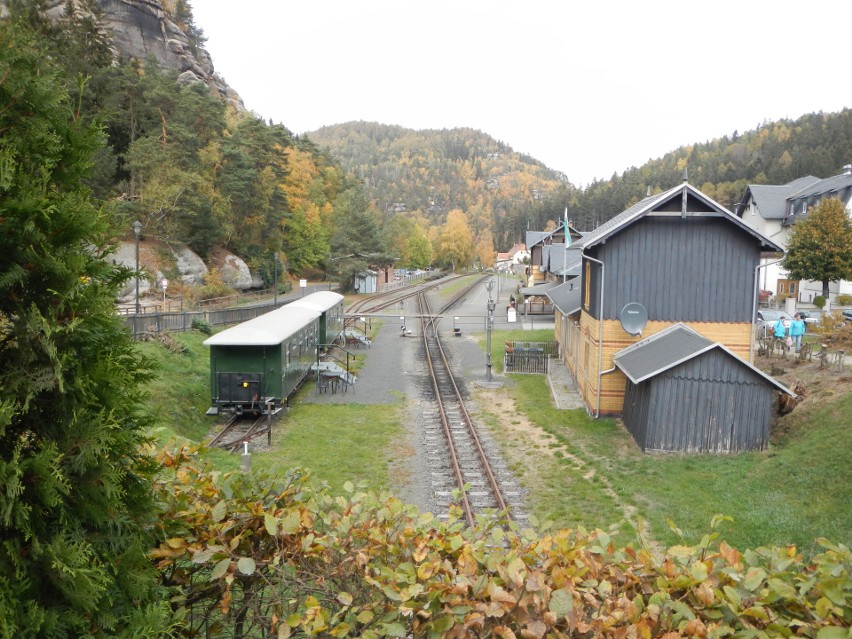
(202, 326)
(844, 300)
(819, 301)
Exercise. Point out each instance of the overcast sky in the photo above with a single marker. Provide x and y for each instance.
(589, 88)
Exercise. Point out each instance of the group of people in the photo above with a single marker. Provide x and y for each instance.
(790, 332)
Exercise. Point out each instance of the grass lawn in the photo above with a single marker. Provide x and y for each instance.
(579, 472)
(586, 472)
(338, 442)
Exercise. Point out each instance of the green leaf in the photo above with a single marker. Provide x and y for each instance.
(290, 523)
(561, 602)
(271, 524)
(219, 511)
(246, 565)
(345, 598)
(220, 569)
(754, 578)
(394, 630)
(365, 616)
(833, 632)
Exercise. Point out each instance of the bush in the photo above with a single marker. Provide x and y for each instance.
(367, 565)
(201, 326)
(819, 301)
(844, 300)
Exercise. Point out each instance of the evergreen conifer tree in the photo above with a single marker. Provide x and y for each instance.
(75, 492)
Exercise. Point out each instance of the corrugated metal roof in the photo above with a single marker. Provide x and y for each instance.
(567, 297)
(319, 301)
(268, 329)
(670, 347)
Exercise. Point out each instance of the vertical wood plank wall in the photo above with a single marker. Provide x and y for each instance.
(579, 347)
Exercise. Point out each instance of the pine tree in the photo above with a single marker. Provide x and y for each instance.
(76, 498)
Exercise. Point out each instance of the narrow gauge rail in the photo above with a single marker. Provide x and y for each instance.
(238, 431)
(468, 460)
(380, 301)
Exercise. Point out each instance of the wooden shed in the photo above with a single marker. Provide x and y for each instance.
(687, 393)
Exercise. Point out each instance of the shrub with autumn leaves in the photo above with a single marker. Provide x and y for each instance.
(252, 555)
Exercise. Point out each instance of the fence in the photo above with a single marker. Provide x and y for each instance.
(159, 321)
(529, 357)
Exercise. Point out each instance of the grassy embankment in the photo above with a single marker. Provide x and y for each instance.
(579, 471)
(338, 442)
(590, 473)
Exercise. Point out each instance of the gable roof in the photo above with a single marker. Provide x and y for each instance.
(836, 186)
(669, 203)
(669, 348)
(771, 199)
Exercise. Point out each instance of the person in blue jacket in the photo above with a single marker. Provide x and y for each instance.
(779, 330)
(797, 329)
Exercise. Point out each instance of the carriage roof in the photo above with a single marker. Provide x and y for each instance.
(268, 329)
(319, 301)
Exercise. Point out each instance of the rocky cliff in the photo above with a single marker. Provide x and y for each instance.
(142, 29)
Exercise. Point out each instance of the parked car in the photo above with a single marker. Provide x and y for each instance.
(766, 318)
(809, 318)
(847, 314)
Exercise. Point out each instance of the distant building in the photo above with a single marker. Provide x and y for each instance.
(511, 259)
(773, 210)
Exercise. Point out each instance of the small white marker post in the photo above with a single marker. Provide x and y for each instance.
(245, 462)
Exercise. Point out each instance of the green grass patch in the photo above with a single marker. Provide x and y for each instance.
(793, 493)
(179, 395)
(337, 442)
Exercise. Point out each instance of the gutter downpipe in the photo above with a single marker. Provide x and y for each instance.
(754, 308)
(600, 337)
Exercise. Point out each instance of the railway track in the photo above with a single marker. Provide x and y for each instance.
(237, 430)
(464, 472)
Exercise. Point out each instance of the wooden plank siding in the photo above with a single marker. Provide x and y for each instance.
(708, 404)
(681, 270)
(579, 343)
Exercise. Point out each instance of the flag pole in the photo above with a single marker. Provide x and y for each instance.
(565, 254)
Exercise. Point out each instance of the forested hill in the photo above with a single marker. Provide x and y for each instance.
(428, 171)
(818, 144)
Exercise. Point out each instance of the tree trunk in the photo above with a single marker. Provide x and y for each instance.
(825, 289)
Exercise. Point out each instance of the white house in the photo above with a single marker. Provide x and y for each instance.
(511, 259)
(772, 210)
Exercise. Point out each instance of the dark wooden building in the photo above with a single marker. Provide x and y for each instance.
(688, 393)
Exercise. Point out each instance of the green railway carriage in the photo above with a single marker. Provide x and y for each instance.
(263, 360)
(330, 306)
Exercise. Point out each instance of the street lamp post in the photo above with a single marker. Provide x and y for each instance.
(275, 281)
(137, 231)
(488, 324)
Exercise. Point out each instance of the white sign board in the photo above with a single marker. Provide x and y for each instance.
(165, 283)
(303, 283)
(512, 314)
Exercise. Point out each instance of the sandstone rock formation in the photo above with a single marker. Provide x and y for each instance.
(142, 28)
